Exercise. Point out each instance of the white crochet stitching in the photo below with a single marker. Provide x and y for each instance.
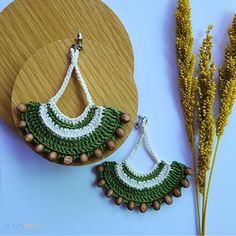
(142, 184)
(67, 119)
(134, 172)
(143, 137)
(71, 133)
(72, 66)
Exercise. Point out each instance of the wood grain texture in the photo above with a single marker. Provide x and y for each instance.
(27, 25)
(108, 77)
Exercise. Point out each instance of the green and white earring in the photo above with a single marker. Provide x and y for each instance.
(63, 139)
(143, 190)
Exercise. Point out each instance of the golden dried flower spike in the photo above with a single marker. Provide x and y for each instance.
(187, 83)
(227, 81)
(227, 91)
(206, 91)
(204, 87)
(186, 64)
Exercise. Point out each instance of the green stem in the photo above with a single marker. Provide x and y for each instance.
(195, 180)
(203, 204)
(208, 186)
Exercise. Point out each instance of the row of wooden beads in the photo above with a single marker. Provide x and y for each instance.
(143, 207)
(68, 160)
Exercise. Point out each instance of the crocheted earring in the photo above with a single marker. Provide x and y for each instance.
(127, 186)
(64, 139)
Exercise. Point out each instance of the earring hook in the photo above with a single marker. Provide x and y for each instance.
(79, 42)
(141, 121)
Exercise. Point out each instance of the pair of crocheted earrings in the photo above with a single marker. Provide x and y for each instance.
(63, 139)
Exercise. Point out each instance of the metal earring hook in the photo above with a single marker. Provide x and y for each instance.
(79, 42)
(141, 121)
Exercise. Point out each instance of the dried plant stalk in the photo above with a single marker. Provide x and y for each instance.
(186, 65)
(187, 82)
(227, 91)
(227, 81)
(206, 91)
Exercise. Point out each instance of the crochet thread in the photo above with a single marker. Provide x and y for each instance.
(145, 190)
(64, 138)
(144, 194)
(71, 146)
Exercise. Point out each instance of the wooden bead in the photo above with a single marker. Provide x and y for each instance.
(21, 107)
(98, 153)
(131, 205)
(168, 199)
(185, 183)
(143, 207)
(119, 133)
(101, 182)
(52, 156)
(119, 201)
(28, 137)
(21, 124)
(83, 158)
(109, 192)
(68, 160)
(39, 148)
(188, 171)
(111, 145)
(156, 205)
(176, 192)
(125, 118)
(99, 168)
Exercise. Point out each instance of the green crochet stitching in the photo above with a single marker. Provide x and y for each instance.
(59, 136)
(71, 146)
(146, 195)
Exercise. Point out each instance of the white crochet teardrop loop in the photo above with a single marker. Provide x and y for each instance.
(74, 52)
(142, 125)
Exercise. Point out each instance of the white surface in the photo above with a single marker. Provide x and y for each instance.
(58, 200)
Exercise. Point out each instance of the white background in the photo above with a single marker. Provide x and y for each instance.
(62, 200)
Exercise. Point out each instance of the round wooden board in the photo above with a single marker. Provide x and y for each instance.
(26, 26)
(108, 77)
